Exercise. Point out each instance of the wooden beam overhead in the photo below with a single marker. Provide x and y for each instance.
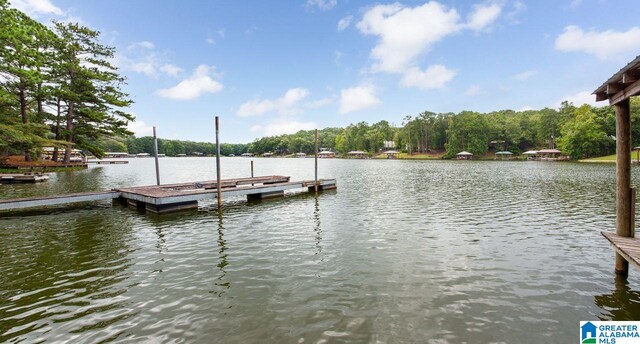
(601, 96)
(629, 91)
(613, 88)
(629, 77)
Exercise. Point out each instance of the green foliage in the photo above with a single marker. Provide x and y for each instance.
(583, 135)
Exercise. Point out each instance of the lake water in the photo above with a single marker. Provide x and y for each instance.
(403, 251)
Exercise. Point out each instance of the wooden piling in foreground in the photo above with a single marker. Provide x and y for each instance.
(218, 186)
(623, 173)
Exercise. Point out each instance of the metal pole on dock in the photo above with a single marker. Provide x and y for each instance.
(316, 159)
(155, 152)
(218, 162)
(251, 168)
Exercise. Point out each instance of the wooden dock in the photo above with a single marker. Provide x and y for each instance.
(23, 178)
(108, 162)
(627, 247)
(174, 197)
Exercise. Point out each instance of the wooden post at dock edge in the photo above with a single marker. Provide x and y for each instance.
(251, 168)
(623, 174)
(155, 152)
(316, 159)
(218, 163)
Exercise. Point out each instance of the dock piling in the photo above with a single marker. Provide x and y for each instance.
(316, 161)
(623, 173)
(218, 186)
(251, 168)
(155, 152)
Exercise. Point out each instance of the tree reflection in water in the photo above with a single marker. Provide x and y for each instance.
(623, 304)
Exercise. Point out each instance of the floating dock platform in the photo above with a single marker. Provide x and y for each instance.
(174, 197)
(23, 177)
(108, 162)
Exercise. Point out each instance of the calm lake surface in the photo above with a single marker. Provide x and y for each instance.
(403, 251)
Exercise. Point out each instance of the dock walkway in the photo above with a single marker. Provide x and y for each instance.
(627, 247)
(173, 197)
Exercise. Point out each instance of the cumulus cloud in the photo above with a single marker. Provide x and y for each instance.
(525, 75)
(140, 128)
(142, 57)
(141, 45)
(404, 32)
(288, 104)
(319, 103)
(324, 5)
(36, 7)
(580, 98)
(483, 15)
(436, 76)
(284, 126)
(357, 98)
(344, 23)
(604, 44)
(171, 70)
(198, 84)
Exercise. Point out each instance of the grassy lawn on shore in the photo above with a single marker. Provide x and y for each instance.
(609, 158)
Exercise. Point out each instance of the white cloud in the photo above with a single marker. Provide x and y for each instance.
(405, 33)
(584, 97)
(473, 91)
(436, 76)
(199, 83)
(517, 7)
(280, 127)
(525, 108)
(35, 7)
(141, 45)
(288, 104)
(575, 3)
(210, 40)
(483, 15)
(324, 5)
(344, 23)
(171, 70)
(357, 98)
(140, 128)
(525, 75)
(603, 44)
(256, 128)
(221, 32)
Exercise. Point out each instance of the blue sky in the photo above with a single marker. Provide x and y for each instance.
(272, 67)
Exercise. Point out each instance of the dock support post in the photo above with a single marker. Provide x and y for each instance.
(623, 174)
(315, 151)
(155, 152)
(218, 163)
(251, 169)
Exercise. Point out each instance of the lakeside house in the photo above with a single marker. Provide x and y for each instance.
(267, 155)
(504, 155)
(181, 155)
(531, 155)
(464, 155)
(357, 155)
(246, 155)
(326, 154)
(76, 154)
(143, 155)
(301, 155)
